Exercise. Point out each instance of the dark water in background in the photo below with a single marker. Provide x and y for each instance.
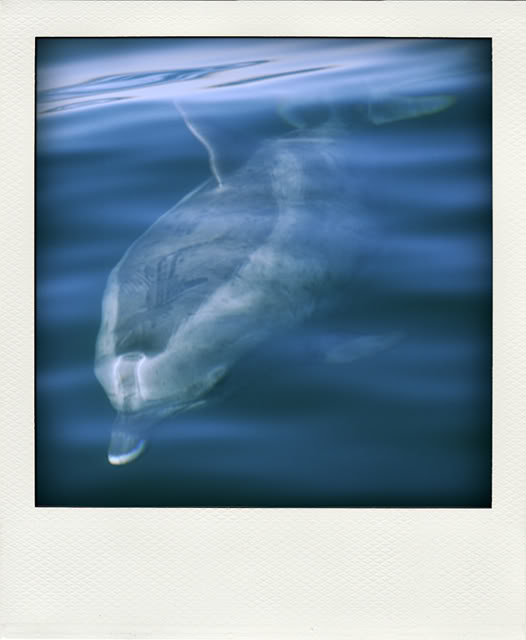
(406, 426)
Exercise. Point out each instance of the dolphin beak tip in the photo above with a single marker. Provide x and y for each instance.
(125, 446)
(118, 459)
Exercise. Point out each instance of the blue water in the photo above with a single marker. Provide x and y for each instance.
(405, 425)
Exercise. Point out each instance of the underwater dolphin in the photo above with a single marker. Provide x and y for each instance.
(240, 258)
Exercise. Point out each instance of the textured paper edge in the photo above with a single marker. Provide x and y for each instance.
(227, 573)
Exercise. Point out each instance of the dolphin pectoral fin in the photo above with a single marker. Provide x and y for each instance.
(350, 349)
(385, 109)
(216, 375)
(127, 441)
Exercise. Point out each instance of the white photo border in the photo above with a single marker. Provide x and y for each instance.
(261, 573)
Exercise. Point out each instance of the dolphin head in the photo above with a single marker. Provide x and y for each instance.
(147, 377)
(144, 389)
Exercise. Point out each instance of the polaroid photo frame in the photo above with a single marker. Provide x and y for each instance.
(261, 573)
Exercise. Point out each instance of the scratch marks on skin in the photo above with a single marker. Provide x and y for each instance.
(165, 285)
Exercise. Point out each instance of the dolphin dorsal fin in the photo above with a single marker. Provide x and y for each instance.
(200, 135)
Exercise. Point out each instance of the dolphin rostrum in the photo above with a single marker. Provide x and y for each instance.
(240, 258)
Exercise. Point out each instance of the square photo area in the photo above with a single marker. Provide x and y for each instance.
(263, 272)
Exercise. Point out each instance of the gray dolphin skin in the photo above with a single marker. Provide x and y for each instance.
(238, 259)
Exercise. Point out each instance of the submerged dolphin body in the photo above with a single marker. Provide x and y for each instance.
(237, 260)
